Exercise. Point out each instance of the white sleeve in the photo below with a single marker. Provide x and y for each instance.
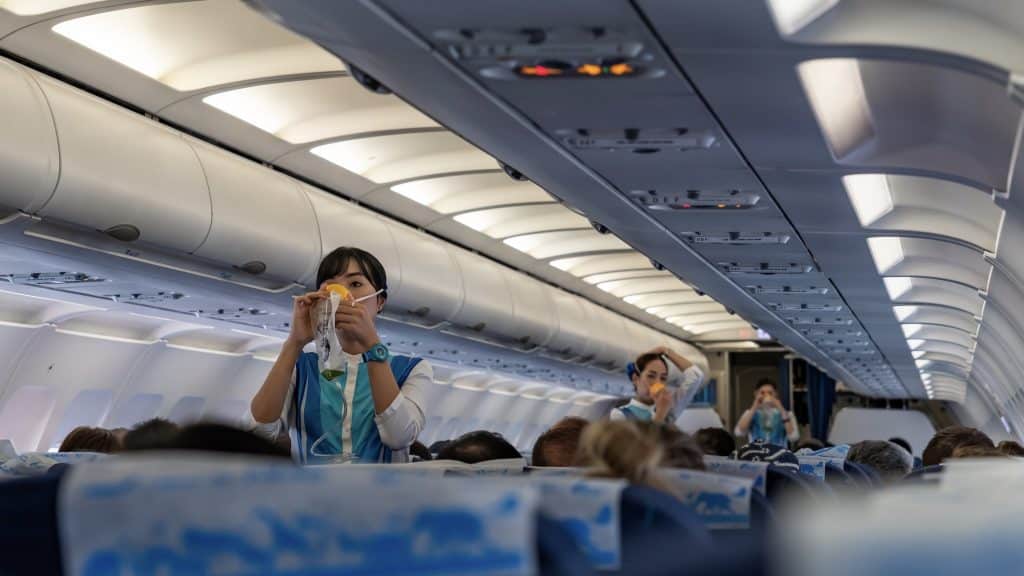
(692, 382)
(796, 428)
(736, 431)
(617, 414)
(271, 430)
(402, 421)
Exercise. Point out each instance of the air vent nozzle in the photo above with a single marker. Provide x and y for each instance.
(664, 200)
(255, 267)
(787, 290)
(804, 307)
(639, 141)
(736, 238)
(123, 232)
(766, 268)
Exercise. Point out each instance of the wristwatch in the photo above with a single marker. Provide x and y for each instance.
(377, 353)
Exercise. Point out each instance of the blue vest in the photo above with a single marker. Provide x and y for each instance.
(771, 429)
(319, 407)
(633, 413)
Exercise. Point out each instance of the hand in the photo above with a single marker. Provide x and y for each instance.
(664, 400)
(356, 326)
(302, 332)
(660, 351)
(774, 403)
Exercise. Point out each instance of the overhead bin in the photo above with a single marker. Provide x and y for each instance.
(124, 174)
(575, 329)
(431, 291)
(536, 315)
(617, 350)
(262, 222)
(487, 310)
(342, 223)
(29, 157)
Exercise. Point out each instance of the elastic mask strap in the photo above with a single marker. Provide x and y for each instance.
(367, 297)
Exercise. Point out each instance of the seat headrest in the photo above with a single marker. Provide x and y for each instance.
(758, 471)
(589, 511)
(721, 501)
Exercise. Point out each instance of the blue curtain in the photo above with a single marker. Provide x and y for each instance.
(784, 382)
(708, 395)
(821, 395)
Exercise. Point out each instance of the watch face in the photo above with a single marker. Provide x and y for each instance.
(379, 352)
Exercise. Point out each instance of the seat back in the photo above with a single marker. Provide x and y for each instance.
(722, 502)
(758, 471)
(29, 542)
(589, 511)
(655, 520)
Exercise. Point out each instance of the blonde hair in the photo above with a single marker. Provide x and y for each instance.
(634, 451)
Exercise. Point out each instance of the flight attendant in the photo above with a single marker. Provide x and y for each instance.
(654, 400)
(371, 409)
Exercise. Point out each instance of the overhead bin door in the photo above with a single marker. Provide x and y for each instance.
(262, 222)
(617, 350)
(123, 173)
(487, 308)
(536, 316)
(342, 223)
(431, 290)
(574, 329)
(29, 161)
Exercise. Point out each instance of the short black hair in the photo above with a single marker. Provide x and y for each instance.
(478, 446)
(337, 261)
(420, 451)
(153, 434)
(716, 441)
(766, 382)
(211, 437)
(902, 444)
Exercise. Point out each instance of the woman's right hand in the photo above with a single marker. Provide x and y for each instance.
(302, 324)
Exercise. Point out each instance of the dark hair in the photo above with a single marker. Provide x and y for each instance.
(337, 261)
(716, 441)
(766, 382)
(811, 444)
(436, 447)
(558, 446)
(681, 450)
(89, 439)
(478, 446)
(420, 451)
(890, 461)
(976, 451)
(644, 359)
(210, 437)
(152, 434)
(1011, 448)
(902, 444)
(945, 441)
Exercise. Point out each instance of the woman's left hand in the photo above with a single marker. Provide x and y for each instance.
(357, 326)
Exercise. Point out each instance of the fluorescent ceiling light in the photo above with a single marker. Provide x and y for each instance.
(552, 244)
(518, 220)
(309, 110)
(870, 196)
(31, 7)
(897, 286)
(185, 46)
(791, 16)
(684, 296)
(715, 327)
(586, 265)
(917, 353)
(904, 312)
(910, 329)
(465, 192)
(887, 252)
(922, 364)
(836, 92)
(625, 275)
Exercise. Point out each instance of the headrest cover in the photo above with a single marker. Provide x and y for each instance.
(759, 451)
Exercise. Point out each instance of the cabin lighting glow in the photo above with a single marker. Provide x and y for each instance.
(904, 312)
(886, 251)
(31, 7)
(405, 156)
(910, 329)
(897, 286)
(870, 196)
(791, 16)
(836, 93)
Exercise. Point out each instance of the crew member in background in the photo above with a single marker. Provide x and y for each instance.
(766, 419)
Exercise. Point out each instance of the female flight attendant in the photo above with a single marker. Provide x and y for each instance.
(654, 400)
(371, 410)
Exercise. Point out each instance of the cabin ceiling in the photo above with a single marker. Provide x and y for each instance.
(837, 173)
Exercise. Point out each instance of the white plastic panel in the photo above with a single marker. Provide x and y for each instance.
(637, 286)
(855, 424)
(24, 415)
(186, 410)
(148, 39)
(518, 220)
(924, 314)
(397, 157)
(905, 290)
(941, 333)
(650, 302)
(118, 168)
(87, 408)
(487, 307)
(431, 289)
(138, 408)
(258, 216)
(464, 192)
(29, 158)
(617, 350)
(536, 315)
(903, 256)
(342, 223)
(574, 326)
(318, 109)
(597, 264)
(547, 245)
(625, 275)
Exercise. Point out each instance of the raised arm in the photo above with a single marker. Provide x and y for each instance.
(269, 401)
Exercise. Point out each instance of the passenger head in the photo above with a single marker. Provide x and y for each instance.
(359, 271)
(558, 446)
(812, 444)
(210, 437)
(90, 439)
(478, 446)
(716, 441)
(634, 451)
(890, 461)
(1011, 448)
(152, 434)
(976, 451)
(681, 450)
(420, 451)
(945, 441)
(648, 369)
(436, 447)
(902, 444)
(766, 389)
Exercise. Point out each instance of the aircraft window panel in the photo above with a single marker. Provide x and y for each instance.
(509, 221)
(231, 411)
(186, 410)
(405, 156)
(310, 110)
(553, 244)
(108, 176)
(590, 265)
(87, 408)
(25, 414)
(147, 39)
(465, 192)
(138, 408)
